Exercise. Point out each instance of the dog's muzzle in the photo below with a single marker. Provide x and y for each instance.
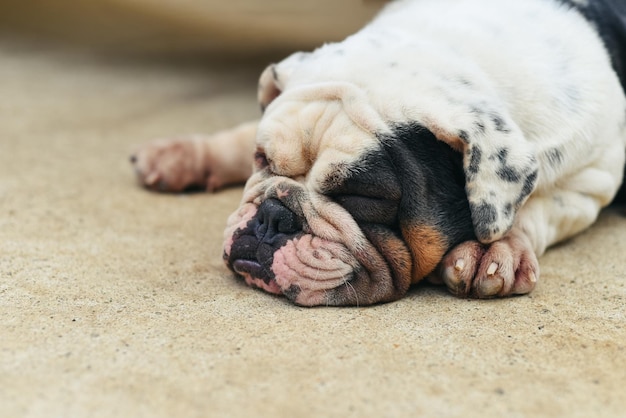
(253, 248)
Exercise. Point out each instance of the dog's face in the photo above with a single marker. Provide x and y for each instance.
(346, 207)
(341, 209)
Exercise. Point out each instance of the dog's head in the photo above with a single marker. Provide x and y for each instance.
(345, 208)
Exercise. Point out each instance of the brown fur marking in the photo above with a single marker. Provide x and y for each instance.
(427, 246)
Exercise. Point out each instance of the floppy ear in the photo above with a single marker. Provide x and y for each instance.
(270, 86)
(500, 168)
(276, 76)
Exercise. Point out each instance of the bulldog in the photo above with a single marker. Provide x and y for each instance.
(448, 140)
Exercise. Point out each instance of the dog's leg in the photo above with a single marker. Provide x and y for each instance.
(509, 266)
(205, 162)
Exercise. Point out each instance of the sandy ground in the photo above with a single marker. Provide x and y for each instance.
(114, 301)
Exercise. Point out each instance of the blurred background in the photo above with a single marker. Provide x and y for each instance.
(235, 27)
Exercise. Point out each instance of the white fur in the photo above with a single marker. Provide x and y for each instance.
(539, 65)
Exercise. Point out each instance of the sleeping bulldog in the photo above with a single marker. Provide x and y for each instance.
(448, 140)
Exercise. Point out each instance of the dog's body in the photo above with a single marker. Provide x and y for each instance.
(449, 139)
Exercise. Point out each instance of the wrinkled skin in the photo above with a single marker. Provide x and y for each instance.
(421, 147)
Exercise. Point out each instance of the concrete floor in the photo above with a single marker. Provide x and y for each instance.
(114, 301)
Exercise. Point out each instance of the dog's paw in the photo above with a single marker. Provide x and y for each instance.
(199, 162)
(506, 267)
(173, 165)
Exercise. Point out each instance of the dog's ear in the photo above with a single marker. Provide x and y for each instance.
(500, 168)
(270, 86)
(276, 76)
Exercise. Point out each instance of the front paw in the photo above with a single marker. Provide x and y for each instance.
(506, 267)
(170, 165)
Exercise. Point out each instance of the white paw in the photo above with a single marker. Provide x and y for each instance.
(171, 165)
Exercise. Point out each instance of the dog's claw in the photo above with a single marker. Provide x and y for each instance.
(459, 265)
(489, 287)
(152, 178)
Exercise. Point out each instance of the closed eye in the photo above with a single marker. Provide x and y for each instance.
(260, 160)
(369, 209)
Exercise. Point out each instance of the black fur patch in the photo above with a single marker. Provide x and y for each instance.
(480, 126)
(369, 189)
(506, 172)
(499, 123)
(412, 177)
(529, 185)
(475, 159)
(431, 176)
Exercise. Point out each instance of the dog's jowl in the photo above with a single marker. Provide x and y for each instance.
(448, 140)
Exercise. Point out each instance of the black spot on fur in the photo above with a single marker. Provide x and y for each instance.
(464, 136)
(475, 159)
(529, 185)
(554, 156)
(508, 210)
(499, 123)
(505, 171)
(274, 73)
(508, 174)
(501, 155)
(484, 215)
(477, 110)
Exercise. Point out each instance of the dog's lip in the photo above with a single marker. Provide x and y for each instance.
(252, 268)
(256, 275)
(242, 266)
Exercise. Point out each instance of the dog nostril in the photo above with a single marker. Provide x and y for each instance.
(274, 218)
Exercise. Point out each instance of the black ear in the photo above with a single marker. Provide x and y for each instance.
(500, 168)
(434, 213)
